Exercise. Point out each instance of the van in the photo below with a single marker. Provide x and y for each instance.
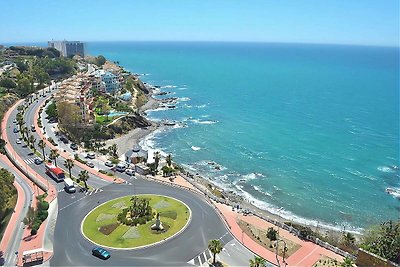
(69, 185)
(120, 167)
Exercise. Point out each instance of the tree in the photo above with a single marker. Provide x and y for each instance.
(156, 160)
(169, 160)
(30, 217)
(383, 240)
(348, 239)
(42, 145)
(24, 87)
(84, 177)
(113, 150)
(54, 155)
(69, 164)
(7, 189)
(100, 60)
(257, 262)
(215, 246)
(347, 262)
(32, 141)
(51, 110)
(7, 83)
(272, 234)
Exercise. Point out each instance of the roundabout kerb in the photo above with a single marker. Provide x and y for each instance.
(142, 246)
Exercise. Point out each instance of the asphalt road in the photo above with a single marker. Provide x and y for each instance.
(72, 249)
(10, 256)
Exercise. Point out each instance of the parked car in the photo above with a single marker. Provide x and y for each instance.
(38, 161)
(19, 141)
(91, 155)
(64, 140)
(15, 130)
(74, 146)
(101, 253)
(15, 121)
(109, 164)
(90, 164)
(130, 172)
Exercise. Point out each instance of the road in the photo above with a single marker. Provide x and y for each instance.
(72, 249)
(10, 256)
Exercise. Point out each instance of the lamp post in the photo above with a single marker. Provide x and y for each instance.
(279, 219)
(277, 252)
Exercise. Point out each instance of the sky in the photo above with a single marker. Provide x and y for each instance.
(361, 22)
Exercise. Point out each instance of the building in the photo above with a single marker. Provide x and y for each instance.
(68, 48)
(110, 81)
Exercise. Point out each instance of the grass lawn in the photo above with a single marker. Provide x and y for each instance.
(101, 119)
(260, 236)
(173, 214)
(6, 214)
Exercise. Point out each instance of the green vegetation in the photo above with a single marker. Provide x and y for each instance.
(138, 212)
(8, 198)
(35, 218)
(272, 234)
(103, 227)
(257, 262)
(51, 110)
(215, 246)
(383, 240)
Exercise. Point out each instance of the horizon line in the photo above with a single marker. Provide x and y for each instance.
(206, 41)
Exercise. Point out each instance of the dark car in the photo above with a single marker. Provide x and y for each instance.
(101, 253)
(73, 146)
(38, 161)
(64, 140)
(15, 130)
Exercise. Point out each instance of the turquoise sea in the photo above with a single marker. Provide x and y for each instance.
(313, 129)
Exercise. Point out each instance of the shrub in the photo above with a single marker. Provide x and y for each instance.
(272, 234)
(33, 231)
(43, 205)
(42, 215)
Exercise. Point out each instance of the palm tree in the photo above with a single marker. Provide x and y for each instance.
(42, 145)
(156, 160)
(169, 160)
(32, 141)
(215, 246)
(349, 239)
(257, 262)
(54, 155)
(84, 176)
(69, 163)
(23, 130)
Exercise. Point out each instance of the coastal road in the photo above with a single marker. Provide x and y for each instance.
(70, 248)
(10, 256)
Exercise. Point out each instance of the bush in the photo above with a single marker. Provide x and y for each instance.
(42, 215)
(272, 234)
(43, 205)
(33, 231)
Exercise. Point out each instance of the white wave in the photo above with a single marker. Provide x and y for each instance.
(204, 116)
(182, 88)
(169, 86)
(395, 192)
(195, 148)
(157, 109)
(183, 99)
(258, 189)
(201, 106)
(385, 169)
(203, 122)
(252, 176)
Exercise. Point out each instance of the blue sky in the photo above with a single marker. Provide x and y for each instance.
(363, 22)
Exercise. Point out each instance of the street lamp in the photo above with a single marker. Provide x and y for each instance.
(279, 219)
(277, 252)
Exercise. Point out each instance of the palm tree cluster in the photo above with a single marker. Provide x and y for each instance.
(139, 207)
(215, 246)
(84, 177)
(257, 262)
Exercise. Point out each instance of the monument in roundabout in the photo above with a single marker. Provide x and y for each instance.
(135, 221)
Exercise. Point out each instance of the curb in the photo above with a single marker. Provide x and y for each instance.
(144, 246)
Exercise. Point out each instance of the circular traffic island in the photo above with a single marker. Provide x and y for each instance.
(135, 221)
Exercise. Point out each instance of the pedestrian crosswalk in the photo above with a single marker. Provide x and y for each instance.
(87, 193)
(202, 258)
(30, 160)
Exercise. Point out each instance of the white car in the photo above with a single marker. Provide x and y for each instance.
(19, 141)
(130, 172)
(109, 164)
(91, 155)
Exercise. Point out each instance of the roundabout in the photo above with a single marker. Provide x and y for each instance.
(139, 221)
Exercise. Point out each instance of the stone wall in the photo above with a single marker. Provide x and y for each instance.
(366, 258)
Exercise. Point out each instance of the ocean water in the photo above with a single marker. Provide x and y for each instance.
(311, 130)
